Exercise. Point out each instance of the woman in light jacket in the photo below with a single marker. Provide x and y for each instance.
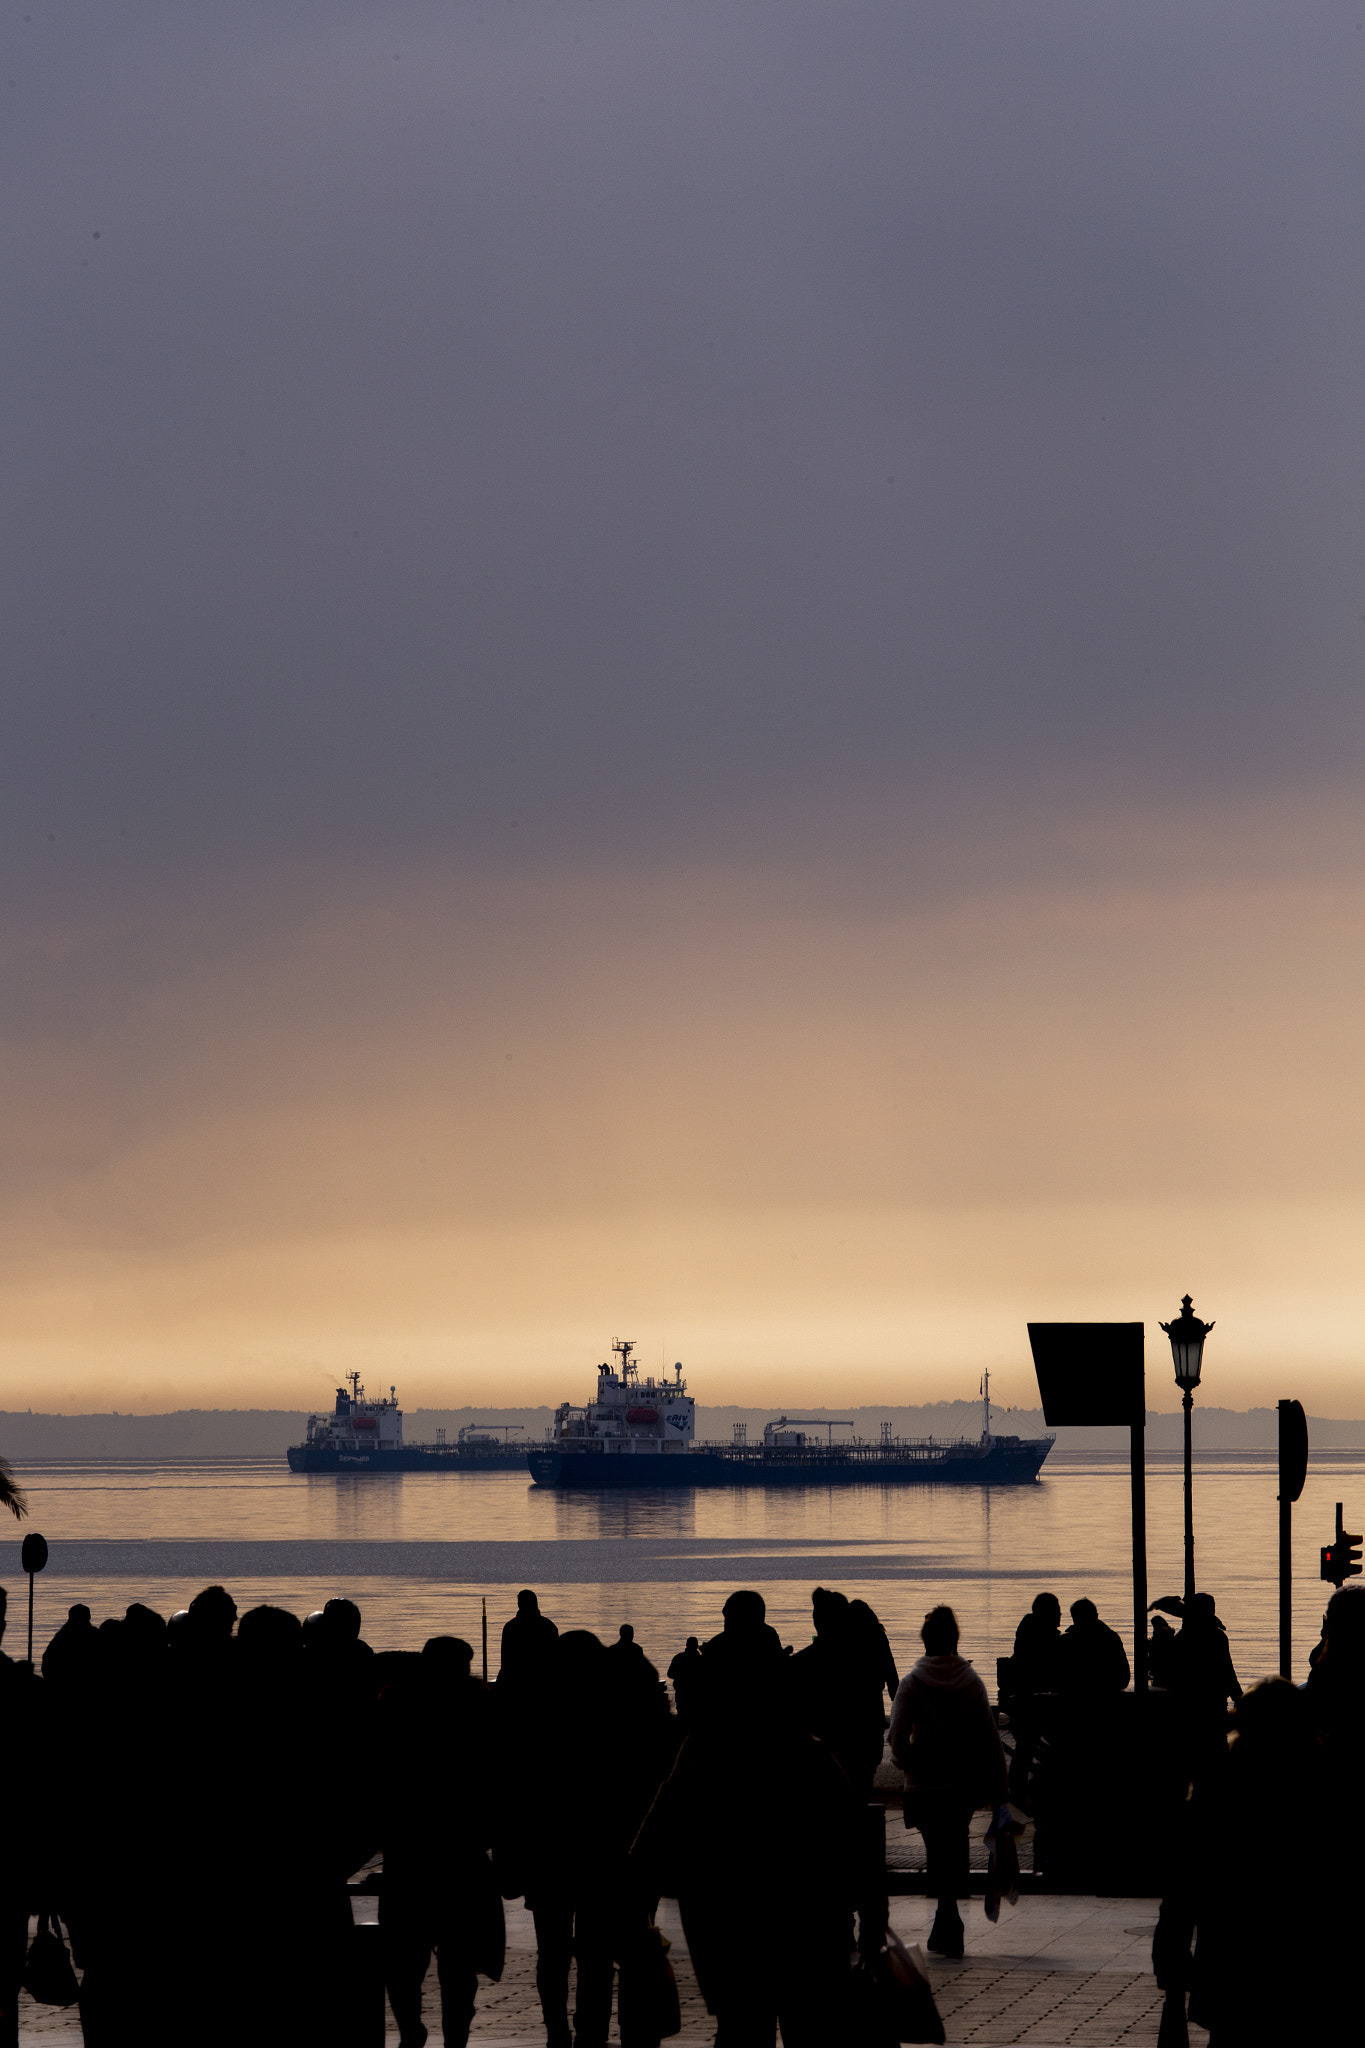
(944, 1738)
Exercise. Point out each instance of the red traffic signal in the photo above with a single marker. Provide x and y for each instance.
(1340, 1559)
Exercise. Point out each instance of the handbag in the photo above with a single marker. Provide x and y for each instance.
(647, 2006)
(48, 1975)
(900, 1996)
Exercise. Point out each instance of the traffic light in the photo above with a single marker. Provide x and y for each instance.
(1341, 1558)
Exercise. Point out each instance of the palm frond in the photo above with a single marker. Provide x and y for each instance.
(11, 1496)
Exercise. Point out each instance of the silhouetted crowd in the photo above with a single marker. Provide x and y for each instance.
(193, 1801)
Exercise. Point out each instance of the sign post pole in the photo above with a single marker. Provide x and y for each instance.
(1138, 1465)
(1092, 1376)
(32, 1558)
(1293, 1435)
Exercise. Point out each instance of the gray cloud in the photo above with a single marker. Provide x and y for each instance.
(619, 431)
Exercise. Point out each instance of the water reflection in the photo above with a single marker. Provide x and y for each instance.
(644, 1511)
(664, 1560)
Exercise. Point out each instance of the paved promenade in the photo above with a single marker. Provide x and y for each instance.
(1054, 1971)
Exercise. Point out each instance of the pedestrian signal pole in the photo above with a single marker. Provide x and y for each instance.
(1293, 1471)
(1341, 1557)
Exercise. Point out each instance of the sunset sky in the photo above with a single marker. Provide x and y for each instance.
(681, 670)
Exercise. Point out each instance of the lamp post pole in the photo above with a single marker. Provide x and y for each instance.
(1188, 1399)
(1187, 1333)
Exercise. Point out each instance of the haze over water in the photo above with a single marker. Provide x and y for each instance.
(419, 1551)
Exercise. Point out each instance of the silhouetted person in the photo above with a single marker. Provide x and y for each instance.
(838, 1682)
(287, 1990)
(573, 1847)
(1335, 1692)
(203, 1642)
(766, 1888)
(1264, 1877)
(341, 1623)
(875, 1643)
(342, 1674)
(1197, 1667)
(114, 1852)
(213, 1614)
(684, 1675)
(642, 1698)
(439, 1891)
(528, 1647)
(1035, 1668)
(71, 1657)
(1092, 1659)
(147, 1629)
(22, 1876)
(625, 1648)
(747, 1653)
(1035, 1665)
(944, 1738)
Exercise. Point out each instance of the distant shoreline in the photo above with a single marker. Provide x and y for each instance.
(214, 1436)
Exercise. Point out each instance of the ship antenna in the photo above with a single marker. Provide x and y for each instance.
(986, 1397)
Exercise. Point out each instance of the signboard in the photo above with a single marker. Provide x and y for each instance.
(1293, 1449)
(1090, 1375)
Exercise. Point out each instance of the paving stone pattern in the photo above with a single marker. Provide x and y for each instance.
(1052, 1972)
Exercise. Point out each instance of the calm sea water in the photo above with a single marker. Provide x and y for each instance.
(421, 1552)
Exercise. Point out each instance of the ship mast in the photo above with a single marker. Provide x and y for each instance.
(986, 1397)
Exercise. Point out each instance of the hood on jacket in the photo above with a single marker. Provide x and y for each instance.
(949, 1673)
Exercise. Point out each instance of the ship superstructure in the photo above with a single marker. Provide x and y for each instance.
(628, 1416)
(641, 1433)
(361, 1435)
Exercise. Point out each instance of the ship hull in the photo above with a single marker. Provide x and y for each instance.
(1010, 1463)
(405, 1458)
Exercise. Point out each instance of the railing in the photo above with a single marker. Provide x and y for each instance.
(895, 1452)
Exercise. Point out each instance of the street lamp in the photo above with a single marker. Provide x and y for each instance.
(1187, 1336)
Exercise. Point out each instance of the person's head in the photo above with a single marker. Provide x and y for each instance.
(269, 1637)
(1201, 1611)
(939, 1632)
(213, 1612)
(581, 1665)
(341, 1621)
(625, 1633)
(447, 1657)
(79, 1615)
(1047, 1609)
(1344, 1622)
(693, 1643)
(146, 1628)
(829, 1611)
(1270, 1723)
(527, 1602)
(743, 1613)
(1084, 1613)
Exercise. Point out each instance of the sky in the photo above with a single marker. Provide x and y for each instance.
(679, 671)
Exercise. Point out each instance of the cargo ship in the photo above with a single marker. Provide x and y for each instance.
(361, 1435)
(642, 1432)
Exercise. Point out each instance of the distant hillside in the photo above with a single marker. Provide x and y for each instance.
(266, 1432)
